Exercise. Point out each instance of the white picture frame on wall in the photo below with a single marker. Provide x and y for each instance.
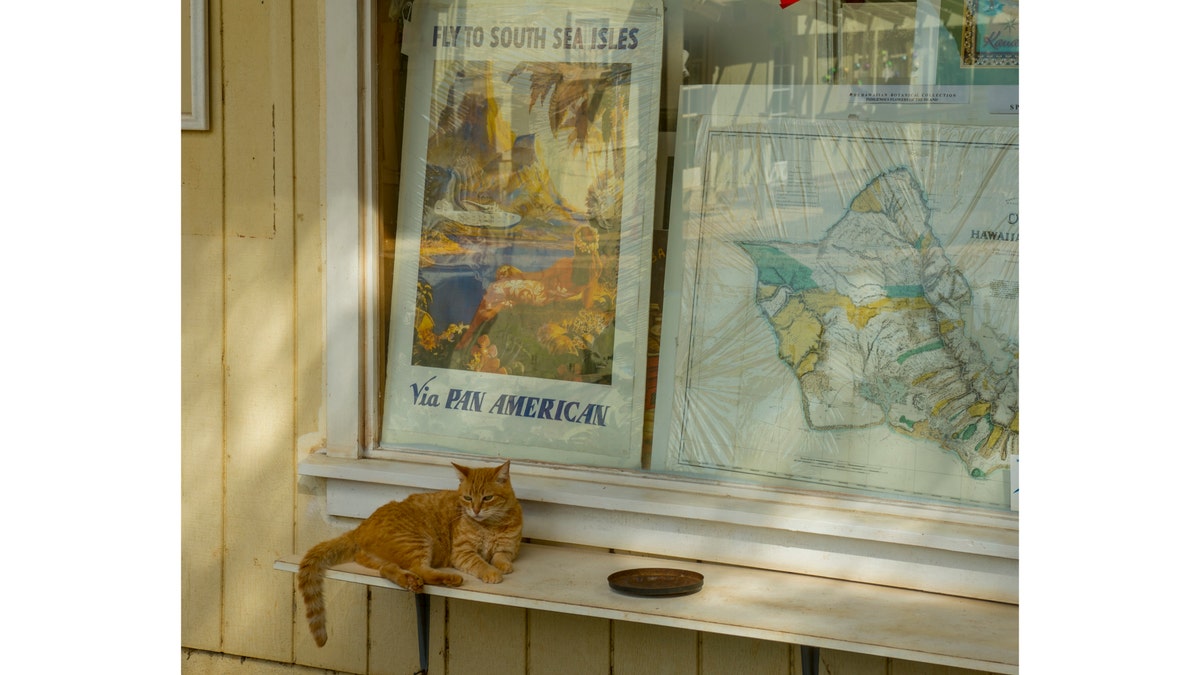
(194, 56)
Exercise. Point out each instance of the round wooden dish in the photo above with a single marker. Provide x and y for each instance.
(656, 581)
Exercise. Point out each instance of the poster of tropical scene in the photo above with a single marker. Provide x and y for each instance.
(520, 295)
(522, 220)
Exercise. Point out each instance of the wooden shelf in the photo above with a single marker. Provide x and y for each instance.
(777, 606)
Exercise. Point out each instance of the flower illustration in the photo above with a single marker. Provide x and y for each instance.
(485, 357)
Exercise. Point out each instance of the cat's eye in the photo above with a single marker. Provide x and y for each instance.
(488, 498)
(466, 498)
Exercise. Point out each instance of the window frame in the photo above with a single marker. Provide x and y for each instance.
(960, 551)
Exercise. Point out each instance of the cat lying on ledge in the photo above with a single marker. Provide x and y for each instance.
(475, 529)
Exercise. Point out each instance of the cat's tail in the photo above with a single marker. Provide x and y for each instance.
(312, 575)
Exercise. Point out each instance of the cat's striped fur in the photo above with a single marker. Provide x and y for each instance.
(475, 529)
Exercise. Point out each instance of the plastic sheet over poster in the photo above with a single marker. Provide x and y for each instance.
(521, 280)
(847, 309)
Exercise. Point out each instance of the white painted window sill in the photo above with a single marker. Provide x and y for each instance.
(961, 552)
(755, 603)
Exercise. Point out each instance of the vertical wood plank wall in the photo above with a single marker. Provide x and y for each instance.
(252, 336)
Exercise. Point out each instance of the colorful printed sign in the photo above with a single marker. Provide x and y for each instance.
(991, 33)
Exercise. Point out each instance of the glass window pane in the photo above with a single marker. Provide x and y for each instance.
(939, 80)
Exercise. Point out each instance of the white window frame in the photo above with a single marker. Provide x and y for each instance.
(954, 550)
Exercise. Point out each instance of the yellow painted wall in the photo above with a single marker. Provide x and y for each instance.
(252, 391)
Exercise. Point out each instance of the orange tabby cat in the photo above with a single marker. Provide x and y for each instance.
(476, 529)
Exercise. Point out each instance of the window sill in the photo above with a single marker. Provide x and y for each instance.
(767, 605)
(961, 552)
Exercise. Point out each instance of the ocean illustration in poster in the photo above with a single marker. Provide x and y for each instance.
(522, 213)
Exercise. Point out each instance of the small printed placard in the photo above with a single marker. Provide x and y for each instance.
(903, 93)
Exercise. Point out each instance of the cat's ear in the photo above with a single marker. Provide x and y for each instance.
(502, 472)
(463, 471)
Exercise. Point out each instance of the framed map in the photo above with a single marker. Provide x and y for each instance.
(521, 280)
(847, 309)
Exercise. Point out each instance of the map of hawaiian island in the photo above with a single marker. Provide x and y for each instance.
(874, 320)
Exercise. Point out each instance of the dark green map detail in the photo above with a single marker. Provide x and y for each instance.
(776, 268)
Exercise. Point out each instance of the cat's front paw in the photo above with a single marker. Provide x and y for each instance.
(492, 576)
(503, 565)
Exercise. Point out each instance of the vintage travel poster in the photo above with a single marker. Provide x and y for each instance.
(847, 309)
(523, 248)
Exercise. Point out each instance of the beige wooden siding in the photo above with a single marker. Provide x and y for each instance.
(202, 362)
(252, 389)
(654, 650)
(556, 639)
(484, 638)
(731, 654)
